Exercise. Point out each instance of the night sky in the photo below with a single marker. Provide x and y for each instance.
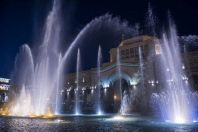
(21, 22)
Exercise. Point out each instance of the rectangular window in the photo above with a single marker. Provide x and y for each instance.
(127, 51)
(136, 51)
(131, 52)
(122, 52)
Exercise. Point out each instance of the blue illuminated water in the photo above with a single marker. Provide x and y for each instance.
(92, 123)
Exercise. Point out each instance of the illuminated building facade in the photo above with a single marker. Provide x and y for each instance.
(131, 77)
(110, 81)
(4, 88)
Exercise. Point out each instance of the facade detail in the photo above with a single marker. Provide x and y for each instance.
(4, 88)
(131, 78)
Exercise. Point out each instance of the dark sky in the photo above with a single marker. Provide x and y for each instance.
(21, 22)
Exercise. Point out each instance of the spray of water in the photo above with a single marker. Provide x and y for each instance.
(98, 100)
(176, 101)
(36, 73)
(77, 90)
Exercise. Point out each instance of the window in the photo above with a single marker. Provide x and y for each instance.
(127, 52)
(122, 52)
(136, 51)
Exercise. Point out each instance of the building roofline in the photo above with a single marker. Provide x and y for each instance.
(137, 39)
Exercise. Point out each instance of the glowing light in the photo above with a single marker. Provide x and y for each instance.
(99, 113)
(152, 82)
(59, 120)
(133, 82)
(105, 84)
(84, 88)
(4, 80)
(77, 113)
(68, 90)
(32, 115)
(115, 97)
(105, 90)
(118, 118)
(179, 120)
(4, 87)
(92, 91)
(183, 67)
(4, 111)
(135, 79)
(49, 114)
(157, 49)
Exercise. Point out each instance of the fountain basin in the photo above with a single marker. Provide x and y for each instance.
(108, 122)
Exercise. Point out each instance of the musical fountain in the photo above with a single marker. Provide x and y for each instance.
(39, 79)
(98, 99)
(77, 90)
(176, 101)
(37, 73)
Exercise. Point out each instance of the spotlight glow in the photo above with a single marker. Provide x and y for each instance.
(77, 113)
(118, 118)
(99, 113)
(179, 120)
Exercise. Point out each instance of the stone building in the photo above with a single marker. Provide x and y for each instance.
(137, 59)
(4, 88)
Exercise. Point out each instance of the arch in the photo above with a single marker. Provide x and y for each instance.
(112, 78)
